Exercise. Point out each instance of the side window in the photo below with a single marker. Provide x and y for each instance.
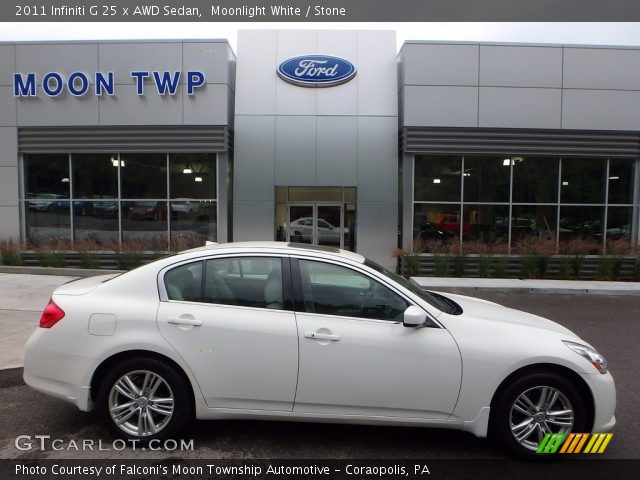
(244, 281)
(335, 290)
(185, 282)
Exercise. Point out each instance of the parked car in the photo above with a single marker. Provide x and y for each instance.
(302, 230)
(277, 331)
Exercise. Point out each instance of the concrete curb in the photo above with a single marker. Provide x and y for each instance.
(566, 287)
(65, 272)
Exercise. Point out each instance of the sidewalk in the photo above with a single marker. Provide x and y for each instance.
(581, 287)
(24, 296)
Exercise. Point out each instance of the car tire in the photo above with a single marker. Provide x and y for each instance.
(145, 399)
(519, 415)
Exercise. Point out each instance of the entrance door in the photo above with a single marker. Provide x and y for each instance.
(316, 224)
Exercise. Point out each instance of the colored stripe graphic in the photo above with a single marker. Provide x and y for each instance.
(574, 442)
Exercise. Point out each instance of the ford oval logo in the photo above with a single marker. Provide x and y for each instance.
(316, 71)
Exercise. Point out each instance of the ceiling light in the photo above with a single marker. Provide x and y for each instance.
(187, 170)
(114, 162)
(65, 180)
(614, 178)
(198, 179)
(564, 184)
(436, 180)
(506, 162)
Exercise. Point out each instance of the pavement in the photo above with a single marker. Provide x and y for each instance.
(23, 296)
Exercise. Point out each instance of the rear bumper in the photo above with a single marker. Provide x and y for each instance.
(60, 375)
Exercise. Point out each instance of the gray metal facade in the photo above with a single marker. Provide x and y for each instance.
(287, 135)
(124, 121)
(477, 98)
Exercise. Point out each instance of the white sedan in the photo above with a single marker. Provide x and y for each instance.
(292, 332)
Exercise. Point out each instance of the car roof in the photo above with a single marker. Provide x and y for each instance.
(290, 248)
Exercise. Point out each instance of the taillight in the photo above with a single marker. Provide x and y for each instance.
(52, 314)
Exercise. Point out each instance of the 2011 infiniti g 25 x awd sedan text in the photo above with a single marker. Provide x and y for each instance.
(292, 332)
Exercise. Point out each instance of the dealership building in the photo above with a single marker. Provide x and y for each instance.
(324, 137)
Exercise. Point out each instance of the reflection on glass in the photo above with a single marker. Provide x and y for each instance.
(48, 221)
(438, 222)
(621, 181)
(300, 228)
(533, 221)
(192, 223)
(192, 175)
(583, 222)
(583, 180)
(145, 222)
(96, 223)
(46, 176)
(535, 180)
(351, 225)
(95, 175)
(437, 178)
(619, 220)
(485, 223)
(487, 178)
(143, 175)
(328, 228)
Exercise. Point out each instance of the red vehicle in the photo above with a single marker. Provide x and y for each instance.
(450, 222)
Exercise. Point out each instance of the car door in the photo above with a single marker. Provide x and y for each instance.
(230, 320)
(357, 358)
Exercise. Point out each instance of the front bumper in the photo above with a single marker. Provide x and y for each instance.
(603, 389)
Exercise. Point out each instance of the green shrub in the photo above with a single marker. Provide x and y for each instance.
(484, 266)
(52, 259)
(499, 268)
(458, 265)
(129, 260)
(534, 266)
(9, 253)
(609, 268)
(442, 264)
(570, 267)
(411, 264)
(88, 261)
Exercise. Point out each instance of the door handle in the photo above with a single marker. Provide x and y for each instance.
(184, 321)
(322, 336)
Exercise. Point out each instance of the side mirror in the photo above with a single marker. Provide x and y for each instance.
(414, 317)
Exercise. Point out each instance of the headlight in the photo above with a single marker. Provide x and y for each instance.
(590, 354)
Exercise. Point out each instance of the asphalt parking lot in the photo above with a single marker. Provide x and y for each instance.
(611, 323)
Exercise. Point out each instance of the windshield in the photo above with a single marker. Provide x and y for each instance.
(440, 302)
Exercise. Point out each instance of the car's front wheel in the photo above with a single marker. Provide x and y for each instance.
(534, 406)
(145, 399)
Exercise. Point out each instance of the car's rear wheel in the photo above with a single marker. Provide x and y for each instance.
(534, 406)
(145, 399)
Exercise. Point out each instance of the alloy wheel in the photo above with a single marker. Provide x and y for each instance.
(141, 403)
(538, 411)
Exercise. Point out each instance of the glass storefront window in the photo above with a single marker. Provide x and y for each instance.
(485, 223)
(535, 180)
(585, 222)
(621, 174)
(583, 180)
(48, 221)
(487, 178)
(145, 223)
(192, 175)
(46, 177)
(96, 224)
(436, 222)
(192, 223)
(143, 175)
(619, 221)
(95, 175)
(533, 221)
(437, 178)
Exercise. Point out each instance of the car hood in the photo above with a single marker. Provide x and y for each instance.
(475, 309)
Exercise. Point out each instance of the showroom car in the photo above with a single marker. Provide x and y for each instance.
(276, 331)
